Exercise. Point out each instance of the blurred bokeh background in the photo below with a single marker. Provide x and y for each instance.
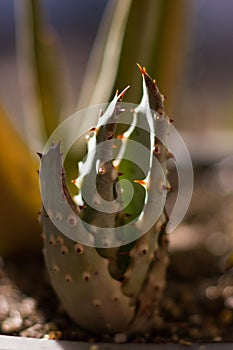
(75, 23)
(204, 102)
(186, 45)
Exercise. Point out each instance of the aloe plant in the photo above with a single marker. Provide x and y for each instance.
(45, 91)
(114, 284)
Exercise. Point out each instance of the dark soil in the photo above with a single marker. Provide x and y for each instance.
(198, 300)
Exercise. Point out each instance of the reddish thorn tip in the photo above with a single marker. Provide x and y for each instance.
(142, 69)
(140, 182)
(101, 171)
(157, 149)
(109, 135)
(122, 94)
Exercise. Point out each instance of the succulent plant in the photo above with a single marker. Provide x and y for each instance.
(116, 284)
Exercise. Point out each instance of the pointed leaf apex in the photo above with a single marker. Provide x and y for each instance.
(122, 94)
(142, 69)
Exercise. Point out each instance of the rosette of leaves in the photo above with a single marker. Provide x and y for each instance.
(111, 286)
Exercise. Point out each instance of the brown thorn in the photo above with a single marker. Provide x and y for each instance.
(157, 149)
(109, 135)
(102, 171)
(170, 156)
(142, 69)
(82, 207)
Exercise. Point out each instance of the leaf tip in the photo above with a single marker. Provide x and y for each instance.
(142, 69)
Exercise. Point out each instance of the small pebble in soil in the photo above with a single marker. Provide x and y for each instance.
(94, 347)
(185, 342)
(120, 338)
(229, 302)
(202, 347)
(13, 323)
(35, 331)
(55, 335)
(217, 339)
(27, 306)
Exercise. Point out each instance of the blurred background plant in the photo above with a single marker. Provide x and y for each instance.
(59, 57)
